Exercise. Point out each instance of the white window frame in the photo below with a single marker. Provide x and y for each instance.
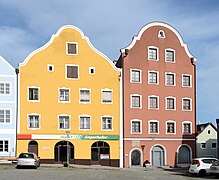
(92, 68)
(186, 98)
(67, 48)
(171, 121)
(84, 116)
(28, 120)
(106, 116)
(158, 129)
(153, 96)
(4, 145)
(33, 87)
(136, 120)
(10, 88)
(10, 111)
(159, 34)
(84, 89)
(152, 71)
(174, 54)
(50, 65)
(60, 115)
(170, 97)
(174, 78)
(186, 122)
(140, 75)
(109, 90)
(153, 47)
(190, 77)
(140, 99)
(202, 146)
(66, 72)
(64, 101)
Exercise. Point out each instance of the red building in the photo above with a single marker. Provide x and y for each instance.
(159, 105)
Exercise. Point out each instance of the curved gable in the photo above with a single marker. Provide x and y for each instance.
(154, 24)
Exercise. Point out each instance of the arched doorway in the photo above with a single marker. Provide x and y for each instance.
(100, 153)
(61, 150)
(184, 155)
(157, 156)
(136, 158)
(33, 147)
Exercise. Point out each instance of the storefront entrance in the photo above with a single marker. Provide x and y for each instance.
(33, 147)
(62, 148)
(100, 153)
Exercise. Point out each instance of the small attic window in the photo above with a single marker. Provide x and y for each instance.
(161, 34)
(50, 67)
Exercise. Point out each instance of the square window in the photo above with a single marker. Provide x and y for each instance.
(203, 145)
(106, 123)
(64, 95)
(72, 48)
(169, 56)
(4, 144)
(135, 76)
(84, 122)
(213, 145)
(153, 102)
(153, 127)
(33, 121)
(91, 70)
(64, 122)
(106, 96)
(72, 72)
(170, 79)
(33, 94)
(136, 127)
(5, 88)
(152, 54)
(186, 81)
(135, 101)
(153, 78)
(85, 95)
(5, 116)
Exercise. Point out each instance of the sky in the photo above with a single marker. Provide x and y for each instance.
(26, 25)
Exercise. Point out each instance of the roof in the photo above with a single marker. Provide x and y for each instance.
(201, 127)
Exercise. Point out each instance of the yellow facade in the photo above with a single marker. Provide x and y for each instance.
(46, 70)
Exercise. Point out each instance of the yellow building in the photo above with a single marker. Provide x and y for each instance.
(69, 102)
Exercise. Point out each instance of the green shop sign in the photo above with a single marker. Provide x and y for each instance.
(90, 137)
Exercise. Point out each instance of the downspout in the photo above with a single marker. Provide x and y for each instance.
(17, 72)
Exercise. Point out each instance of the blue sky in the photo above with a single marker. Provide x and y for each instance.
(110, 25)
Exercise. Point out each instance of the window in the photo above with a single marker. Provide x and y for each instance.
(64, 122)
(170, 103)
(213, 145)
(4, 145)
(135, 126)
(33, 94)
(152, 53)
(170, 127)
(50, 67)
(106, 123)
(85, 95)
(33, 121)
(187, 105)
(4, 88)
(106, 96)
(170, 79)
(152, 77)
(135, 75)
(135, 101)
(209, 131)
(186, 79)
(153, 125)
(72, 72)
(91, 70)
(203, 145)
(161, 34)
(5, 116)
(153, 102)
(187, 128)
(84, 122)
(72, 48)
(169, 55)
(64, 95)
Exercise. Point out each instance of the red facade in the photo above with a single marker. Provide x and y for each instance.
(159, 104)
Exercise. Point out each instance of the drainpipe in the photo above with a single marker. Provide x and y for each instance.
(17, 72)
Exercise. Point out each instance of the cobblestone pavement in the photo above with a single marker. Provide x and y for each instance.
(9, 172)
